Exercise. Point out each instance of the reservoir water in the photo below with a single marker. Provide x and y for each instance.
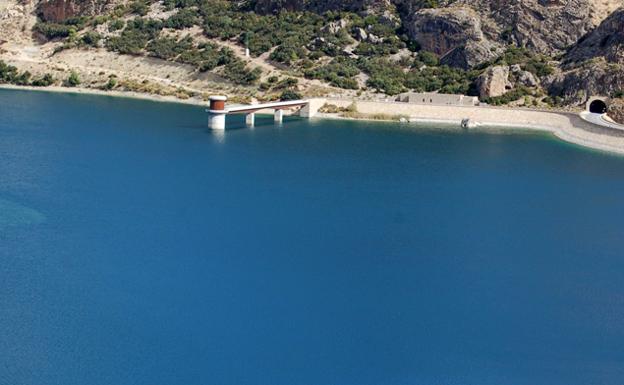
(138, 247)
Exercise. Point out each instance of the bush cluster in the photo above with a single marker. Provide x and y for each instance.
(9, 74)
(238, 72)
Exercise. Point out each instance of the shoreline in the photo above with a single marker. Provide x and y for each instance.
(568, 127)
(112, 93)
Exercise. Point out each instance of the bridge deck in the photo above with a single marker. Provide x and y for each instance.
(263, 106)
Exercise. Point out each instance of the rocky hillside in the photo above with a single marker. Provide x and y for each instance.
(595, 65)
(521, 52)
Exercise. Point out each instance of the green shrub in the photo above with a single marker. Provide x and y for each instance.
(288, 52)
(111, 83)
(511, 96)
(206, 57)
(91, 38)
(428, 58)
(384, 76)
(54, 30)
(45, 81)
(139, 7)
(290, 95)
(169, 47)
(135, 36)
(73, 80)
(339, 73)
(116, 25)
(238, 72)
(184, 18)
(8, 73)
(22, 79)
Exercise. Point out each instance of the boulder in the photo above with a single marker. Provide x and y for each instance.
(494, 82)
(374, 39)
(523, 77)
(360, 34)
(390, 19)
(335, 26)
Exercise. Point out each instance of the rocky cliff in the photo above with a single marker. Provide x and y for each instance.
(595, 65)
(473, 31)
(616, 110)
(60, 10)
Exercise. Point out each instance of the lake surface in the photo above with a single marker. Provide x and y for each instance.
(138, 247)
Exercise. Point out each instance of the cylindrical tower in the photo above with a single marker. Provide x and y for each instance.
(217, 112)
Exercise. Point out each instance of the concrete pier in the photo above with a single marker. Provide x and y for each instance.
(250, 119)
(278, 116)
(217, 112)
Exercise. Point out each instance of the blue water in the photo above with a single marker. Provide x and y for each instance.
(137, 247)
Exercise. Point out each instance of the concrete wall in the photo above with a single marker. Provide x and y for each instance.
(438, 99)
(567, 126)
(312, 108)
(455, 114)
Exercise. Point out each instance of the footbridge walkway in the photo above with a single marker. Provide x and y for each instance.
(218, 110)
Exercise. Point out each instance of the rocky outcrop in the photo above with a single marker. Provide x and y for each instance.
(616, 110)
(595, 66)
(593, 78)
(59, 10)
(455, 34)
(544, 26)
(494, 82)
(523, 77)
(606, 41)
(541, 25)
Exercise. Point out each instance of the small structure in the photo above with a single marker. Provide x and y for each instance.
(218, 110)
(427, 98)
(598, 104)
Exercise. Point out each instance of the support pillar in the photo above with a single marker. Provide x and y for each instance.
(250, 119)
(278, 116)
(217, 112)
(216, 121)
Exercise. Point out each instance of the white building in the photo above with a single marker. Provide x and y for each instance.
(437, 99)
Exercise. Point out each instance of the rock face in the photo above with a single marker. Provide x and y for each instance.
(469, 31)
(524, 77)
(454, 34)
(494, 82)
(616, 110)
(605, 41)
(541, 25)
(595, 65)
(59, 10)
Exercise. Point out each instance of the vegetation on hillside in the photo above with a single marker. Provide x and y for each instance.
(10, 75)
(342, 49)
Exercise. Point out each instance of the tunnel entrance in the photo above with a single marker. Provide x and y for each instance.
(598, 107)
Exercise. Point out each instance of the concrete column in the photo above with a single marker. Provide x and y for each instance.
(216, 121)
(279, 116)
(311, 109)
(217, 112)
(250, 119)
